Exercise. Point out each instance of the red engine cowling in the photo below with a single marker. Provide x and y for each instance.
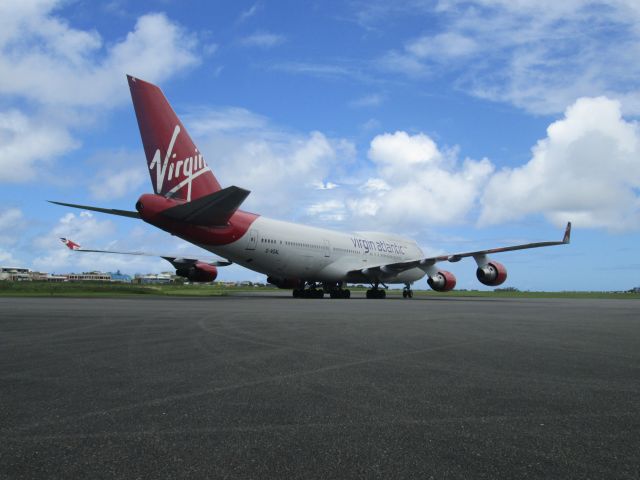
(199, 272)
(288, 283)
(492, 274)
(442, 281)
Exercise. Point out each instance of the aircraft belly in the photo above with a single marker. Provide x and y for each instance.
(407, 276)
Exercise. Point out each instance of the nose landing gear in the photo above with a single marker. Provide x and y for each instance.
(407, 292)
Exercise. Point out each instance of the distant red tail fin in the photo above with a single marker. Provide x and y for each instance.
(176, 166)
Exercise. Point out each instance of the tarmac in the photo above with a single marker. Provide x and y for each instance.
(261, 387)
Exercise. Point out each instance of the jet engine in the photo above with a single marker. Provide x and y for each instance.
(442, 281)
(288, 283)
(199, 272)
(492, 274)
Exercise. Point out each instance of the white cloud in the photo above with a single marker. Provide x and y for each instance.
(263, 40)
(417, 183)
(92, 232)
(204, 121)
(373, 100)
(27, 144)
(283, 169)
(82, 228)
(375, 185)
(371, 124)
(118, 174)
(44, 59)
(117, 184)
(248, 13)
(325, 185)
(442, 46)
(586, 170)
(538, 55)
(327, 211)
(404, 63)
(400, 150)
(66, 74)
(335, 71)
(8, 260)
(12, 222)
(75, 68)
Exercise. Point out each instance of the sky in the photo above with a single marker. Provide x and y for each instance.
(464, 124)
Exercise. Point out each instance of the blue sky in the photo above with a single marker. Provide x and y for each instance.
(462, 124)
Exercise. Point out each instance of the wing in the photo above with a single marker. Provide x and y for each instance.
(427, 264)
(177, 261)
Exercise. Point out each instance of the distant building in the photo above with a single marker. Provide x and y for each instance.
(56, 278)
(15, 274)
(154, 278)
(118, 277)
(89, 277)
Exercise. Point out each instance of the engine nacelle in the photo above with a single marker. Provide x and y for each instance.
(442, 281)
(492, 274)
(199, 272)
(288, 283)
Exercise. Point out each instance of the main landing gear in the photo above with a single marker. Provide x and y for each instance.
(336, 290)
(376, 292)
(308, 293)
(311, 290)
(406, 291)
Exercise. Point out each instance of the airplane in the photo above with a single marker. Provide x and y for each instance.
(188, 202)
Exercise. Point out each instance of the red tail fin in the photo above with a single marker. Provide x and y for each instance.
(176, 166)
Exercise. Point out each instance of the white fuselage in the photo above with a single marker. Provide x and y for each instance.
(293, 251)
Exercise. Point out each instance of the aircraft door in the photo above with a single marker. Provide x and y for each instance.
(252, 242)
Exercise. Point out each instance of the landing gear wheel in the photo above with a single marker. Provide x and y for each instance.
(376, 293)
(315, 293)
(340, 293)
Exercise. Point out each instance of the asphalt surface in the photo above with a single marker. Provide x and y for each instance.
(274, 387)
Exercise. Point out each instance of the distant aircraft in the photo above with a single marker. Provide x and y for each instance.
(189, 202)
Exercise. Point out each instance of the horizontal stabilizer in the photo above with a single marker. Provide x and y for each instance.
(211, 210)
(111, 211)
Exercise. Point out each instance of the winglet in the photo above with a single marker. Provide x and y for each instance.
(567, 234)
(71, 245)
